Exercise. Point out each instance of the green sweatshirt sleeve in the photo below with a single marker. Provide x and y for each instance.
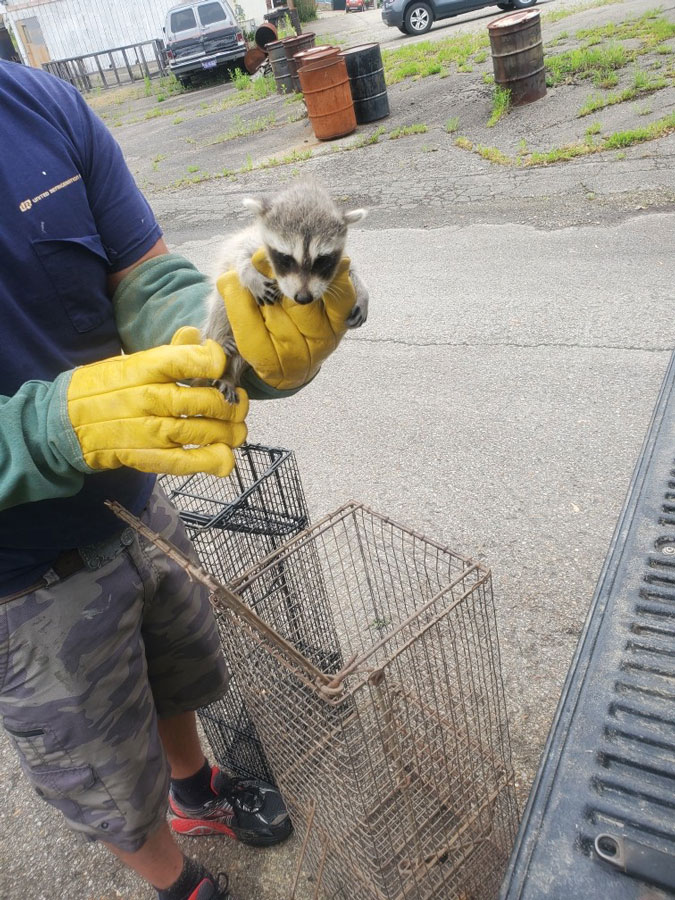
(40, 456)
(159, 297)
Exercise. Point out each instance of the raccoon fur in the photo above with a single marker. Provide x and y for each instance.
(304, 236)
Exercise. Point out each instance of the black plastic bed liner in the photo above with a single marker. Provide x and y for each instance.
(600, 821)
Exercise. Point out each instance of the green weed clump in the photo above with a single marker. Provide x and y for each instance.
(240, 128)
(494, 154)
(559, 14)
(657, 129)
(586, 62)
(263, 87)
(452, 124)
(642, 84)
(241, 80)
(501, 103)
(651, 29)
(406, 130)
(619, 140)
(434, 58)
(366, 140)
(463, 143)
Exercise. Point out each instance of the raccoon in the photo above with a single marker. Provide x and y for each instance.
(304, 235)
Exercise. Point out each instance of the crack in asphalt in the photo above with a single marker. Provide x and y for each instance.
(514, 344)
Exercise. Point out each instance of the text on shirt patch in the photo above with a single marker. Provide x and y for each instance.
(27, 204)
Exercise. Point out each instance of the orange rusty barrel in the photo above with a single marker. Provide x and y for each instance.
(295, 45)
(254, 58)
(328, 97)
(265, 34)
(518, 55)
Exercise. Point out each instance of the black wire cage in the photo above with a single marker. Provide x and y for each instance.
(234, 523)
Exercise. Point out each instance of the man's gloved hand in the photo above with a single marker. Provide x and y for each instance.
(129, 411)
(286, 343)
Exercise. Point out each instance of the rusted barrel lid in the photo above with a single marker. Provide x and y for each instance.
(514, 21)
(299, 57)
(318, 57)
(273, 45)
(301, 39)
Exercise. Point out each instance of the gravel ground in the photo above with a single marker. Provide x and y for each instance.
(497, 399)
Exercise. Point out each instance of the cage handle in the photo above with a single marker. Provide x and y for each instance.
(229, 599)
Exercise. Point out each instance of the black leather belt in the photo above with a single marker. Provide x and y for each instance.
(68, 562)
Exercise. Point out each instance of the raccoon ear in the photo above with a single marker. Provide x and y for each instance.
(259, 206)
(355, 215)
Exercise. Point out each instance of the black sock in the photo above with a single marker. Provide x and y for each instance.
(193, 873)
(195, 790)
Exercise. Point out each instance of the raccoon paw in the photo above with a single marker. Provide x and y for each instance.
(356, 317)
(228, 390)
(271, 293)
(265, 290)
(359, 313)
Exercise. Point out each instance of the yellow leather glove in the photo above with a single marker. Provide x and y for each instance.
(129, 411)
(286, 343)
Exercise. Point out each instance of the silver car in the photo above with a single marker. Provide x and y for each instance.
(201, 36)
(417, 16)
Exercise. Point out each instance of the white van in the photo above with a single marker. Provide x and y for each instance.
(201, 36)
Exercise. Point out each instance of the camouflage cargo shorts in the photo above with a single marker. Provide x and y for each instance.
(87, 665)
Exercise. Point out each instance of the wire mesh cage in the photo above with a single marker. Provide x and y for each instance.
(390, 744)
(235, 522)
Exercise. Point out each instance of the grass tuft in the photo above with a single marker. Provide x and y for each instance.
(619, 140)
(434, 57)
(243, 129)
(406, 130)
(586, 62)
(501, 103)
(494, 154)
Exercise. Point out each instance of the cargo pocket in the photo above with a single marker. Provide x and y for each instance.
(78, 268)
(75, 790)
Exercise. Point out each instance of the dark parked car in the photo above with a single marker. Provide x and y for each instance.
(202, 35)
(417, 16)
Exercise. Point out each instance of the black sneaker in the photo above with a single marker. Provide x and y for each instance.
(245, 809)
(212, 889)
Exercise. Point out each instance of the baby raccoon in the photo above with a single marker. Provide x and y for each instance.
(304, 235)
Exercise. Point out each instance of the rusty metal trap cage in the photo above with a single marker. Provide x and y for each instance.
(391, 744)
(233, 523)
(391, 749)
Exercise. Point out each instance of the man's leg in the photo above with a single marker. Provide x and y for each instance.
(186, 671)
(159, 860)
(181, 743)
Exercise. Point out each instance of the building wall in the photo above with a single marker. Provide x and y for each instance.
(76, 27)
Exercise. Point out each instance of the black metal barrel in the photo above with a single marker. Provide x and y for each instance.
(294, 45)
(366, 80)
(276, 53)
(518, 55)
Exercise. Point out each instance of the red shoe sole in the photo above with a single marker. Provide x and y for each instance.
(200, 828)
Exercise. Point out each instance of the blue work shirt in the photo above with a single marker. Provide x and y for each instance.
(71, 214)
